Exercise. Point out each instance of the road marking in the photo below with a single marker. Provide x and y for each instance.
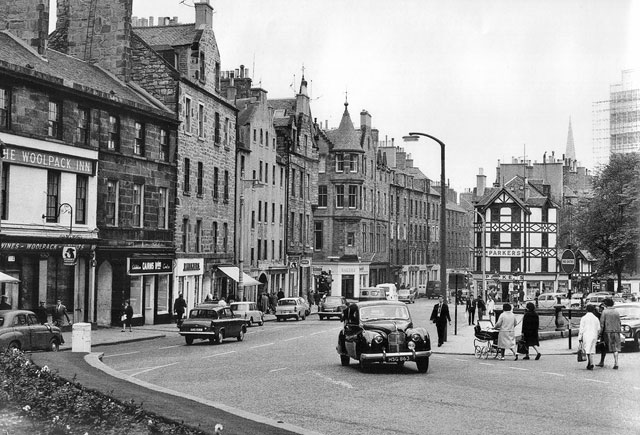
(333, 381)
(553, 374)
(595, 380)
(321, 332)
(120, 354)
(152, 368)
(219, 354)
(277, 370)
(262, 345)
(169, 347)
(486, 364)
(294, 338)
(458, 359)
(519, 368)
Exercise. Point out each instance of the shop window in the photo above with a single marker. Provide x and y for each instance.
(84, 122)
(82, 182)
(54, 127)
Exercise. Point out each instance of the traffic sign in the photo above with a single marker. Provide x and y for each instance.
(568, 261)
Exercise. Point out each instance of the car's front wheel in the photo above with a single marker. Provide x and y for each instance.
(321, 317)
(219, 337)
(14, 345)
(261, 322)
(241, 334)
(344, 360)
(423, 365)
(54, 345)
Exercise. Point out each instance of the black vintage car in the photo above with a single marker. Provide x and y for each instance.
(382, 332)
(213, 323)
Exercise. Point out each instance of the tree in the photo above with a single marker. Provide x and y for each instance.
(608, 223)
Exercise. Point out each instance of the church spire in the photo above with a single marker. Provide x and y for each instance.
(571, 149)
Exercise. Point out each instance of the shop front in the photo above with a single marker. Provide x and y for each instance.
(150, 289)
(188, 275)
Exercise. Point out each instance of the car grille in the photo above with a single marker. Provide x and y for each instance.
(396, 341)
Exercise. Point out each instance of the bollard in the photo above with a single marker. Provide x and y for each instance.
(81, 337)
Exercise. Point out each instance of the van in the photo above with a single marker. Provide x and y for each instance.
(433, 289)
(391, 292)
(372, 294)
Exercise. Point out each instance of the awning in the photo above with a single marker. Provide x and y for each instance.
(7, 278)
(233, 273)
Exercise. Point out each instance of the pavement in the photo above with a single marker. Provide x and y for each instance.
(88, 369)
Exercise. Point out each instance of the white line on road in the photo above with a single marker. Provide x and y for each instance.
(277, 370)
(152, 368)
(519, 368)
(169, 347)
(219, 354)
(294, 338)
(120, 354)
(262, 345)
(321, 332)
(553, 374)
(328, 379)
(595, 380)
(486, 364)
(458, 359)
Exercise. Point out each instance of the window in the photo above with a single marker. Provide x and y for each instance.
(5, 99)
(273, 213)
(53, 195)
(136, 212)
(112, 203)
(301, 184)
(163, 208)
(4, 205)
(253, 219)
(225, 237)
(198, 235)
(266, 173)
(185, 235)
(215, 183)
(260, 170)
(82, 182)
(261, 137)
(545, 214)
(226, 185)
(259, 211)
(281, 214)
(187, 168)
(138, 145)
(164, 145)
(199, 188)
(318, 235)
(226, 131)
(202, 65)
(83, 129)
(350, 238)
(353, 163)
(353, 196)
(339, 195)
(281, 176)
(266, 208)
(200, 120)
(339, 162)
(187, 115)
(301, 229)
(322, 196)
(293, 183)
(114, 133)
(217, 128)
(545, 240)
(214, 242)
(55, 120)
(273, 175)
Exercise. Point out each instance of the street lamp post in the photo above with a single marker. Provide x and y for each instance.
(484, 253)
(412, 137)
(65, 207)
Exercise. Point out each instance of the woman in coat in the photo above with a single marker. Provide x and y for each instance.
(530, 326)
(491, 303)
(506, 325)
(128, 315)
(589, 333)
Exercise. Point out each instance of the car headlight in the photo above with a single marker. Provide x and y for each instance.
(411, 345)
(626, 328)
(377, 339)
(416, 337)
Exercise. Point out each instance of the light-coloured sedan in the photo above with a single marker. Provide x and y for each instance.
(20, 329)
(249, 311)
(291, 308)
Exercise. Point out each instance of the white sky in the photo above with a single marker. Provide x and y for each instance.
(488, 78)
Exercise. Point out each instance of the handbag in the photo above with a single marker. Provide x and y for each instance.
(582, 355)
(123, 318)
(522, 347)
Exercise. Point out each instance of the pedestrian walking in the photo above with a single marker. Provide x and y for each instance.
(440, 316)
(589, 333)
(611, 330)
(491, 305)
(179, 307)
(127, 316)
(59, 314)
(41, 313)
(471, 310)
(273, 301)
(4, 305)
(480, 307)
(506, 325)
(280, 294)
(222, 302)
(530, 326)
(264, 300)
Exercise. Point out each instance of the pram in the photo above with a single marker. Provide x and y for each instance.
(486, 341)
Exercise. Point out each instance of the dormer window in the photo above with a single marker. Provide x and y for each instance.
(353, 162)
(339, 162)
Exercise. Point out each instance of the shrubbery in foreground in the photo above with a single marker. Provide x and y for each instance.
(35, 401)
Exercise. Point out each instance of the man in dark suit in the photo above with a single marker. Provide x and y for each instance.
(440, 316)
(471, 310)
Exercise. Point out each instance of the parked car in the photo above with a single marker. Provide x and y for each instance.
(249, 311)
(372, 294)
(214, 323)
(630, 321)
(295, 308)
(407, 295)
(332, 306)
(20, 329)
(391, 291)
(382, 332)
(576, 300)
(597, 300)
(550, 300)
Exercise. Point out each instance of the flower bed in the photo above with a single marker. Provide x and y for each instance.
(35, 401)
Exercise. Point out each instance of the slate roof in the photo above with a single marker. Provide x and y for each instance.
(67, 71)
(289, 107)
(345, 137)
(246, 113)
(169, 36)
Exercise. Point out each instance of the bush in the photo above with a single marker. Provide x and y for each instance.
(36, 401)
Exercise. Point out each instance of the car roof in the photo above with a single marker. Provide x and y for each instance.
(208, 306)
(380, 302)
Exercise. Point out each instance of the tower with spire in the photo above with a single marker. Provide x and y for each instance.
(570, 153)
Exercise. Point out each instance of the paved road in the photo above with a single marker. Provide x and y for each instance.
(290, 372)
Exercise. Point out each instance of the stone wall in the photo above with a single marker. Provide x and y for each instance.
(28, 20)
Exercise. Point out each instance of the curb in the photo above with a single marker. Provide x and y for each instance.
(113, 343)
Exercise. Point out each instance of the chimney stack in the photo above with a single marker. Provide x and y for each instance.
(28, 20)
(481, 183)
(204, 14)
(365, 120)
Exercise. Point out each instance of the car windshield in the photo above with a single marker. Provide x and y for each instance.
(628, 312)
(384, 312)
(287, 302)
(239, 307)
(333, 299)
(203, 314)
(403, 292)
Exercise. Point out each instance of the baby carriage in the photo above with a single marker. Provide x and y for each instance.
(486, 341)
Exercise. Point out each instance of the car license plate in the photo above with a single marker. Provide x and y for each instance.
(398, 358)
(197, 329)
